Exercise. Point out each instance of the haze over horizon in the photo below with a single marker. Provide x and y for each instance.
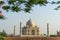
(40, 15)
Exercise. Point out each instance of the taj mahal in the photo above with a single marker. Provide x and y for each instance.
(30, 29)
(28, 32)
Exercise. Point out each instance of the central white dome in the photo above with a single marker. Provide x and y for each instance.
(30, 23)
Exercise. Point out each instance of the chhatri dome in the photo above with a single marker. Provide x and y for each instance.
(30, 23)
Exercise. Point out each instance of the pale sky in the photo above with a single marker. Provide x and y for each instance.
(40, 15)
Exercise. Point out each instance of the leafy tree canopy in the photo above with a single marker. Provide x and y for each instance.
(15, 5)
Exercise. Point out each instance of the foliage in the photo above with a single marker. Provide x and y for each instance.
(2, 17)
(2, 35)
(5, 7)
(1, 2)
(15, 5)
(58, 3)
(52, 35)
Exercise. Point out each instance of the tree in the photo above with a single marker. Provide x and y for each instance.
(4, 33)
(15, 5)
(58, 2)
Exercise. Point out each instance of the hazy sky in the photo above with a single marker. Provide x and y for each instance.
(40, 15)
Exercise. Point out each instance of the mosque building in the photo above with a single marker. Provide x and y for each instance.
(30, 29)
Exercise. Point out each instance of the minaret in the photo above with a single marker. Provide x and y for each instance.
(20, 29)
(47, 30)
(14, 30)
